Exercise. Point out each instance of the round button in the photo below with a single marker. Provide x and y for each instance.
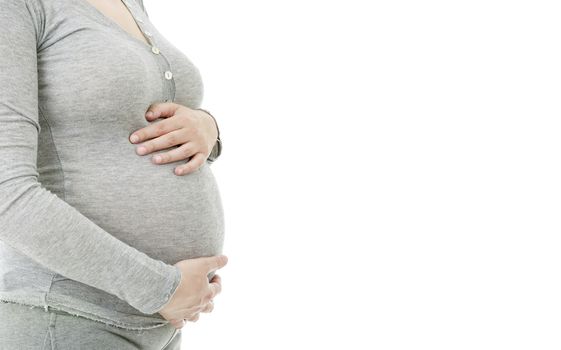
(168, 75)
(155, 50)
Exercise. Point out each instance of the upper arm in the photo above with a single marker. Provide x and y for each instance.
(19, 124)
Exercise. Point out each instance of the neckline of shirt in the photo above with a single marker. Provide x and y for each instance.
(140, 22)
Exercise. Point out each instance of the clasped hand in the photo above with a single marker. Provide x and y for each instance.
(195, 293)
(195, 132)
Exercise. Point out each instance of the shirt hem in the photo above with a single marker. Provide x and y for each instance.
(40, 302)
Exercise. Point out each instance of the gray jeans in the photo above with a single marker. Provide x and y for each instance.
(23, 327)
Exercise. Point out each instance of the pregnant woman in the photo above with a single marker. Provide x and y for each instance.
(102, 244)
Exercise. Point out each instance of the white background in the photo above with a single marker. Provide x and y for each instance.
(390, 173)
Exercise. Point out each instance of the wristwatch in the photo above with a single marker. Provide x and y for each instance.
(217, 149)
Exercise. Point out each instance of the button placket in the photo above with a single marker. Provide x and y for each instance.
(168, 75)
(165, 67)
(139, 22)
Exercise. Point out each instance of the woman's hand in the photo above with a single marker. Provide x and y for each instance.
(210, 306)
(194, 130)
(194, 293)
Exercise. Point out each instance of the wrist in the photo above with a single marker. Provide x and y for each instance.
(215, 123)
(217, 146)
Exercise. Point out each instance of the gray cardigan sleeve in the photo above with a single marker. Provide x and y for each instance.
(37, 222)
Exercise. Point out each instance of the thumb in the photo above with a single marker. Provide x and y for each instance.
(161, 109)
(215, 262)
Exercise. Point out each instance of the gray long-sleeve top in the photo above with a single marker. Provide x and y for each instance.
(87, 225)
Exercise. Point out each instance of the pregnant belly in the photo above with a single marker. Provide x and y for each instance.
(147, 206)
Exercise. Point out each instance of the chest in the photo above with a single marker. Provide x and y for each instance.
(89, 65)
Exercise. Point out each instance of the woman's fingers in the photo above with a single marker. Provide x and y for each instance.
(193, 164)
(194, 318)
(154, 130)
(178, 323)
(179, 153)
(209, 307)
(216, 279)
(169, 139)
(161, 109)
(215, 289)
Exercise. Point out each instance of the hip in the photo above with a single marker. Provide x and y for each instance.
(28, 327)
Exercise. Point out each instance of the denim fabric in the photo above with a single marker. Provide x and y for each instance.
(88, 226)
(25, 328)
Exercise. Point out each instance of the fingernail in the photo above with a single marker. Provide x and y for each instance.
(149, 114)
(141, 150)
(157, 159)
(134, 138)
